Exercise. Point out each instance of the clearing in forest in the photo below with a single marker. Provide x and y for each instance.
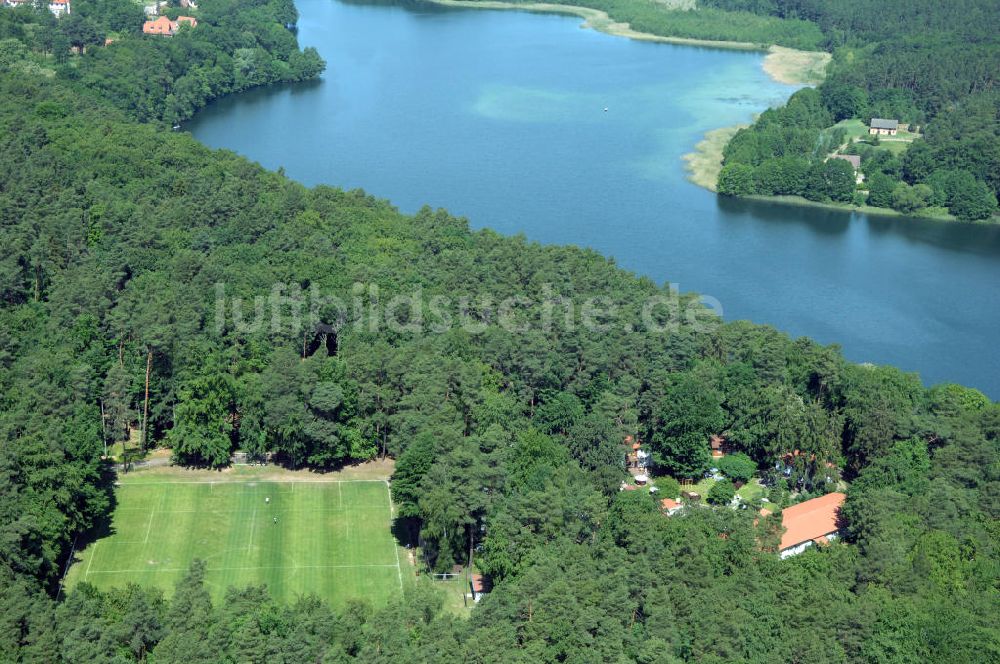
(326, 536)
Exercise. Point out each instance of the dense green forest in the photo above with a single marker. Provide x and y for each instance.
(236, 45)
(127, 250)
(931, 65)
(668, 18)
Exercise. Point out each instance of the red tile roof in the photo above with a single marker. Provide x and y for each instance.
(669, 503)
(161, 26)
(477, 583)
(811, 519)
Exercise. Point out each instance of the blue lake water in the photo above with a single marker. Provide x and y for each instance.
(499, 116)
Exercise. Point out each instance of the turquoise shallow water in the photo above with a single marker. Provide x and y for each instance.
(499, 116)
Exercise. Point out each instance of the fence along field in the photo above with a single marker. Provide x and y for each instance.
(331, 538)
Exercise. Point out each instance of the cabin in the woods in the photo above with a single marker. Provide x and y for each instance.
(812, 522)
(635, 456)
(719, 446)
(478, 586)
(852, 159)
(160, 26)
(164, 26)
(670, 506)
(59, 7)
(855, 162)
(883, 127)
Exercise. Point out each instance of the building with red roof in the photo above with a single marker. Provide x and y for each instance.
(164, 26)
(670, 506)
(718, 446)
(59, 7)
(478, 586)
(811, 522)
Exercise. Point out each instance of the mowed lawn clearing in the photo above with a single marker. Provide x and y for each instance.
(331, 538)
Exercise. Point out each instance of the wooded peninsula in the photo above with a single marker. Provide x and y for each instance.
(928, 67)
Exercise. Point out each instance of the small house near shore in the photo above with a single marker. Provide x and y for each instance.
(811, 522)
(883, 127)
(852, 159)
(855, 162)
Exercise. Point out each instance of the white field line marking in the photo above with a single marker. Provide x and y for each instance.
(152, 513)
(69, 561)
(253, 520)
(90, 561)
(145, 540)
(395, 547)
(227, 569)
(241, 482)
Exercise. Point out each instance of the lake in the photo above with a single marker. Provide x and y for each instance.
(500, 116)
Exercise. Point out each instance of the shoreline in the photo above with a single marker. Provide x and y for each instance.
(869, 210)
(783, 65)
(703, 164)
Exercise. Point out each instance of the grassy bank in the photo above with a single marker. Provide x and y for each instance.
(703, 165)
(794, 67)
(783, 64)
(596, 19)
(847, 207)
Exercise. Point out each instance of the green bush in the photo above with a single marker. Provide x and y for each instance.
(738, 467)
(736, 180)
(669, 487)
(721, 493)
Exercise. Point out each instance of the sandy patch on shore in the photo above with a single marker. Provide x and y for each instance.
(703, 165)
(792, 67)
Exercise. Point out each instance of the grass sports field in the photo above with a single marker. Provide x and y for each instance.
(298, 536)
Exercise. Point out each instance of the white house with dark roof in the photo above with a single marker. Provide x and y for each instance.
(883, 127)
(59, 7)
